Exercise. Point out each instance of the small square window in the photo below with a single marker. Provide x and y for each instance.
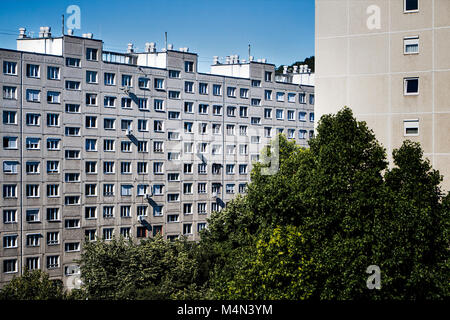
(411, 45)
(411, 86)
(411, 127)
(411, 5)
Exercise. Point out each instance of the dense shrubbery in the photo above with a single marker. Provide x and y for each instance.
(309, 231)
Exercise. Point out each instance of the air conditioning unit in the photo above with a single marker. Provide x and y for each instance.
(129, 132)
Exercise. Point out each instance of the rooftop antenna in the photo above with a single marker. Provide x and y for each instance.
(165, 35)
(62, 27)
(249, 52)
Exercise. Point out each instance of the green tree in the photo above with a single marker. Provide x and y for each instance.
(270, 269)
(33, 285)
(153, 269)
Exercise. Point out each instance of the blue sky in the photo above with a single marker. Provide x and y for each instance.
(282, 31)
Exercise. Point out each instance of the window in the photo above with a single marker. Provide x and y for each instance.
(108, 212)
(280, 96)
(52, 238)
(311, 116)
(255, 120)
(32, 119)
(173, 115)
(72, 85)
(52, 73)
(255, 139)
(141, 232)
(9, 93)
(33, 95)
(125, 232)
(216, 149)
(142, 146)
(9, 117)
(90, 235)
(32, 167)
(267, 132)
(9, 68)
(126, 80)
(52, 166)
(158, 168)
(91, 167)
(142, 189)
(291, 115)
(268, 76)
(52, 119)
(279, 114)
(32, 263)
(187, 168)
(242, 169)
(72, 131)
(9, 142)
(217, 89)
(202, 168)
(302, 134)
(187, 208)
(189, 66)
(33, 240)
(411, 45)
(10, 266)
(158, 126)
(231, 111)
(188, 87)
(9, 191)
(256, 102)
(230, 129)
(108, 145)
(291, 134)
(411, 5)
(109, 124)
(90, 190)
(311, 99)
(109, 102)
(268, 113)
(302, 97)
(256, 83)
(173, 197)
(268, 94)
(91, 144)
(201, 208)
(142, 125)
(32, 215)
(72, 200)
(411, 86)
(108, 190)
(157, 211)
(203, 128)
(411, 127)
(33, 143)
(172, 218)
(72, 108)
(53, 262)
(174, 74)
(159, 84)
(125, 167)
(33, 71)
(110, 79)
(91, 77)
(73, 62)
(158, 146)
(243, 149)
(173, 156)
(243, 112)
(71, 246)
(72, 177)
(108, 234)
(217, 110)
(141, 211)
(243, 130)
(231, 92)
(126, 103)
(142, 168)
(142, 103)
(10, 241)
(302, 116)
(158, 105)
(53, 144)
(91, 99)
(216, 128)
(230, 168)
(291, 97)
(144, 83)
(72, 154)
(10, 167)
(189, 107)
(244, 93)
(187, 228)
(174, 94)
(91, 122)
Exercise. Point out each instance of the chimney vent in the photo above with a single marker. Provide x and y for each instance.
(22, 33)
(251, 58)
(295, 69)
(170, 47)
(215, 60)
(285, 69)
(263, 60)
(130, 48)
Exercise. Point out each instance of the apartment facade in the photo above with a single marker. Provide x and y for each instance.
(388, 60)
(98, 144)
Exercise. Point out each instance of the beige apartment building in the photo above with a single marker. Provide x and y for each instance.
(388, 60)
